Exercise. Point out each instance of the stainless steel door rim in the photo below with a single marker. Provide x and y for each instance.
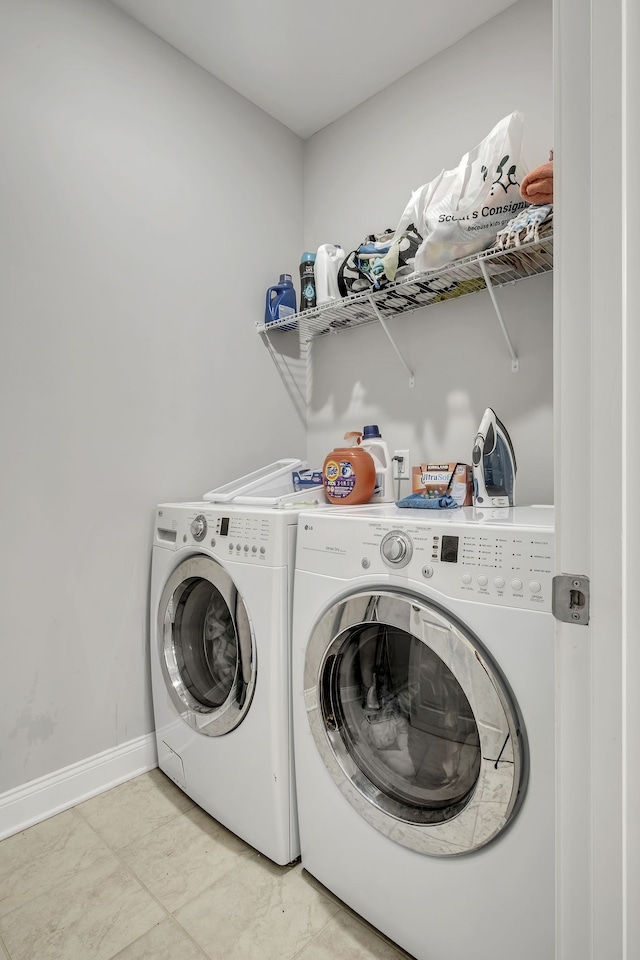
(435, 756)
(208, 652)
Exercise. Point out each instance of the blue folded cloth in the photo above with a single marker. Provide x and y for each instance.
(427, 503)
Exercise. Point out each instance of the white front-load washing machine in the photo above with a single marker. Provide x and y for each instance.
(423, 703)
(221, 578)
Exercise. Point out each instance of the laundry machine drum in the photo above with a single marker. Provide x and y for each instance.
(414, 722)
(207, 646)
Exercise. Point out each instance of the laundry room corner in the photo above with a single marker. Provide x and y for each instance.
(137, 191)
(317, 621)
(370, 160)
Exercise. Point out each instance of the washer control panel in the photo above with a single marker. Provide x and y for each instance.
(242, 537)
(249, 537)
(499, 564)
(503, 566)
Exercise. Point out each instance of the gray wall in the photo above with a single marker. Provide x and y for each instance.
(359, 174)
(131, 185)
(145, 209)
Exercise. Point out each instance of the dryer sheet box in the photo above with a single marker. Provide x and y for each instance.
(438, 479)
(304, 479)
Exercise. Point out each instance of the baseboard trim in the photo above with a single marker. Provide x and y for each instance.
(43, 798)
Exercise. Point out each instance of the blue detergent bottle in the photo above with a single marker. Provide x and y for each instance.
(281, 300)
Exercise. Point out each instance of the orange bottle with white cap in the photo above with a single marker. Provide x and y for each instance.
(349, 474)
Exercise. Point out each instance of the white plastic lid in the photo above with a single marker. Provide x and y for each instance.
(269, 484)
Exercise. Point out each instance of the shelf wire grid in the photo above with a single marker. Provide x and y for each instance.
(455, 279)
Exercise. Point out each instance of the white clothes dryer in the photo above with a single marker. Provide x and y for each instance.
(423, 703)
(221, 578)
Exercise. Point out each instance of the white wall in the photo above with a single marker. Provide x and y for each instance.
(359, 174)
(145, 209)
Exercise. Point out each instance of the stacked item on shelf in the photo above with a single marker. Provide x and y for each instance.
(507, 239)
(536, 221)
(455, 279)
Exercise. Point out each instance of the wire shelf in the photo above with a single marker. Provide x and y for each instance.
(455, 279)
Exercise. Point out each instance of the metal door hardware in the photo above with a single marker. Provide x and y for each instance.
(570, 598)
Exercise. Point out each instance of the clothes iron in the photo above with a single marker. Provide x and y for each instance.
(493, 463)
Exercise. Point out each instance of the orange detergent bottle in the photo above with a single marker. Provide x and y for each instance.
(349, 474)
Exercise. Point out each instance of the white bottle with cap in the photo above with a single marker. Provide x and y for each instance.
(328, 260)
(373, 443)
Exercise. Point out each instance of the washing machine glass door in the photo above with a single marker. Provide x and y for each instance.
(414, 722)
(207, 646)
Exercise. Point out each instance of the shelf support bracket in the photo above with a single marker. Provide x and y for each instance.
(383, 324)
(294, 373)
(515, 363)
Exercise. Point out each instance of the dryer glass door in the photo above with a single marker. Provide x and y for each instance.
(208, 650)
(414, 722)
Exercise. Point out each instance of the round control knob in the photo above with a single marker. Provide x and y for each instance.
(396, 548)
(535, 587)
(466, 578)
(482, 580)
(516, 585)
(427, 572)
(499, 582)
(198, 528)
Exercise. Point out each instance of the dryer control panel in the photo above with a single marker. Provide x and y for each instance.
(504, 565)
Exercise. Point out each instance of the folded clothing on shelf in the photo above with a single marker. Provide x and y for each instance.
(537, 186)
(531, 224)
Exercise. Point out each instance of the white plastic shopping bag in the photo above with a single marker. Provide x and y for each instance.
(460, 212)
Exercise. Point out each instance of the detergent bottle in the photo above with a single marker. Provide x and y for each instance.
(328, 260)
(307, 281)
(281, 300)
(373, 443)
(349, 473)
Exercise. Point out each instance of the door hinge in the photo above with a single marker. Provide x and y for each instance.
(570, 598)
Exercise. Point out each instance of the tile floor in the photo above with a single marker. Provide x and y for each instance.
(141, 873)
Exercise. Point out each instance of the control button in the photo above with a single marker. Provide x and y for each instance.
(366, 563)
(482, 580)
(262, 551)
(254, 549)
(499, 582)
(246, 548)
(467, 578)
(213, 541)
(516, 585)
(535, 587)
(230, 546)
(238, 548)
(427, 572)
